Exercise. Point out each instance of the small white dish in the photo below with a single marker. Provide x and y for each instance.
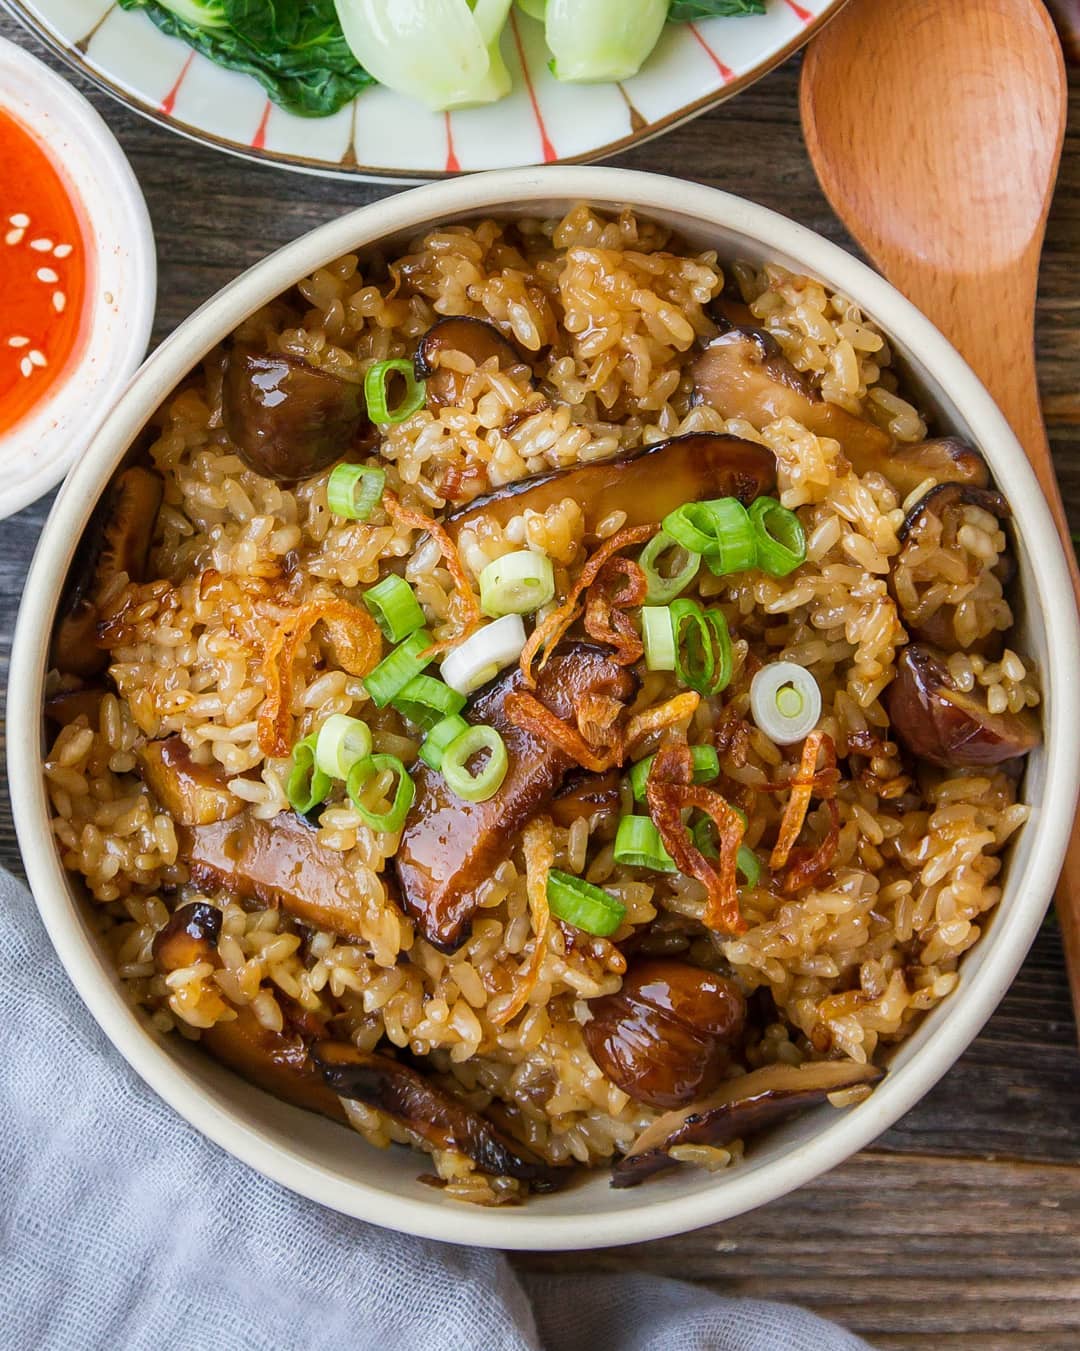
(318, 1158)
(38, 449)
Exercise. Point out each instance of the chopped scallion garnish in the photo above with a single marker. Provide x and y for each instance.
(785, 702)
(445, 732)
(354, 490)
(719, 529)
(395, 671)
(703, 656)
(426, 700)
(663, 588)
(658, 636)
(395, 607)
(341, 741)
(638, 845)
(307, 785)
(482, 656)
(362, 773)
(375, 391)
(583, 905)
(516, 584)
(488, 780)
(780, 539)
(705, 761)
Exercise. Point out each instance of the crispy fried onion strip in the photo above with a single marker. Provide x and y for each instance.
(668, 790)
(620, 586)
(358, 644)
(807, 865)
(539, 849)
(526, 711)
(679, 709)
(804, 785)
(547, 634)
(470, 606)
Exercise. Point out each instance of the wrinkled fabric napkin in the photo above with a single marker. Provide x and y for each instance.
(123, 1229)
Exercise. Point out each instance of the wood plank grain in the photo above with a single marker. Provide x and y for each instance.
(925, 1241)
(908, 1252)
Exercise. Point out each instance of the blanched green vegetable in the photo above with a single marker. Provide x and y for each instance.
(592, 40)
(443, 52)
(294, 48)
(684, 11)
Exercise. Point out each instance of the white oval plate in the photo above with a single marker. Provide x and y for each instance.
(383, 135)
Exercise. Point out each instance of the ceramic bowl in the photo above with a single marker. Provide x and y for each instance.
(329, 1164)
(122, 278)
(693, 67)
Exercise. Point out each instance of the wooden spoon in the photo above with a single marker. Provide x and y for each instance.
(935, 128)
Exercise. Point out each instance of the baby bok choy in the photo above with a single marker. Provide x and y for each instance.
(593, 40)
(443, 52)
(294, 48)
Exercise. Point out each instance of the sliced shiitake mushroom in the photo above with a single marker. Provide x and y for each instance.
(279, 863)
(744, 374)
(191, 935)
(449, 847)
(193, 794)
(941, 510)
(946, 726)
(590, 797)
(473, 338)
(65, 706)
(287, 419)
(643, 485)
(739, 1108)
(117, 541)
(439, 1120)
(663, 1037)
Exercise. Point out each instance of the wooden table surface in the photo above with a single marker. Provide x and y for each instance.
(961, 1227)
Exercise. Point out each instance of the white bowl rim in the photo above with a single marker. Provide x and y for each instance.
(970, 1006)
(115, 178)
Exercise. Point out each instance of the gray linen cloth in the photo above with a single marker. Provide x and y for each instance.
(123, 1229)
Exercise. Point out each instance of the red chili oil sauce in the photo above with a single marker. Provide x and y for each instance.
(43, 264)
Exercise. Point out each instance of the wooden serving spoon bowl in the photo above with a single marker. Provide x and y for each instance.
(935, 128)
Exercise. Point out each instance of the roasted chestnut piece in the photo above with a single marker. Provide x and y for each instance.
(946, 726)
(438, 1119)
(744, 374)
(932, 525)
(286, 419)
(449, 847)
(474, 338)
(644, 485)
(117, 541)
(738, 1108)
(663, 1036)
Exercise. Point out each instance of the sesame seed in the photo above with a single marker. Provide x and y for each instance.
(62, 250)
(26, 366)
(18, 341)
(42, 245)
(37, 358)
(20, 220)
(14, 236)
(59, 300)
(46, 274)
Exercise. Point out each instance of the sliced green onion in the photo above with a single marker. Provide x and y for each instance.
(583, 905)
(341, 742)
(746, 861)
(375, 386)
(719, 529)
(306, 785)
(445, 732)
(479, 658)
(455, 764)
(354, 490)
(658, 635)
(516, 584)
(395, 671)
(706, 764)
(395, 607)
(362, 773)
(425, 701)
(661, 588)
(638, 845)
(781, 542)
(716, 621)
(785, 702)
